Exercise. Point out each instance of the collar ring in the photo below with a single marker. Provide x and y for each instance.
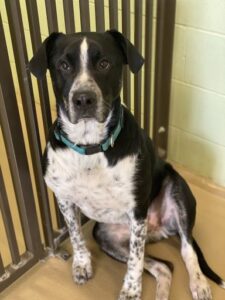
(112, 141)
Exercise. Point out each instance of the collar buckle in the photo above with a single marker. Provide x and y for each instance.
(93, 149)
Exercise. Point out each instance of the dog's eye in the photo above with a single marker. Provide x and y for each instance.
(103, 65)
(64, 66)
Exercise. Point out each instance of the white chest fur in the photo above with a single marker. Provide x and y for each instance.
(103, 193)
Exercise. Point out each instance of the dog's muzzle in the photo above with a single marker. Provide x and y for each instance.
(85, 104)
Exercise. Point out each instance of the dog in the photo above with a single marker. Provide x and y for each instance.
(98, 161)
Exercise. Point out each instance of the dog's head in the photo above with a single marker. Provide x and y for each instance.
(86, 71)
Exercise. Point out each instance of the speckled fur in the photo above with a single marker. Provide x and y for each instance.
(132, 285)
(82, 269)
(114, 239)
(108, 197)
(132, 194)
(163, 277)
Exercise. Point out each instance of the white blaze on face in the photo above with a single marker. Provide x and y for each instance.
(84, 81)
(83, 74)
(84, 55)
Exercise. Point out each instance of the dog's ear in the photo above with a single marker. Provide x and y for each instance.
(131, 56)
(39, 63)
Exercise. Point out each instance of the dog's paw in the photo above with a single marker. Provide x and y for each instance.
(200, 289)
(130, 294)
(82, 273)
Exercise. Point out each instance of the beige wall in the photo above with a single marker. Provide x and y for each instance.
(197, 116)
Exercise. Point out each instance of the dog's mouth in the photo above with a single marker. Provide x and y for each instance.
(97, 110)
(76, 117)
(98, 113)
(99, 116)
(87, 116)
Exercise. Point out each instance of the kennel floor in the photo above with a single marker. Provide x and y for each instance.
(51, 279)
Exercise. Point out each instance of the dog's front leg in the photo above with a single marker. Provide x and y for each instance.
(82, 269)
(132, 285)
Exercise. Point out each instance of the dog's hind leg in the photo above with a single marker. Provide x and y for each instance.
(162, 271)
(199, 286)
(184, 214)
(114, 239)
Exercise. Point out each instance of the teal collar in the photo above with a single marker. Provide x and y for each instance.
(88, 150)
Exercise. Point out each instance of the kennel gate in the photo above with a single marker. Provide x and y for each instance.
(31, 225)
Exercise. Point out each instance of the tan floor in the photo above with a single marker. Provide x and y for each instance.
(51, 280)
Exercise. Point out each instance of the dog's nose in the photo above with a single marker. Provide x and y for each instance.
(84, 100)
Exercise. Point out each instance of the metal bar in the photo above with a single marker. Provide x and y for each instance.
(53, 27)
(2, 269)
(85, 15)
(113, 14)
(69, 16)
(126, 32)
(51, 16)
(12, 272)
(163, 68)
(138, 45)
(99, 15)
(148, 58)
(7, 219)
(42, 83)
(59, 217)
(13, 137)
(19, 47)
(61, 236)
(64, 234)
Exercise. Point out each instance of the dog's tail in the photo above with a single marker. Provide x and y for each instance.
(207, 271)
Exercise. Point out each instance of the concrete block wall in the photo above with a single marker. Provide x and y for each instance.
(197, 114)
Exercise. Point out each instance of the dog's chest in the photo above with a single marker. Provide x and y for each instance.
(102, 192)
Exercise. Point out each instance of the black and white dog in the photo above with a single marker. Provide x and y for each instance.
(98, 161)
